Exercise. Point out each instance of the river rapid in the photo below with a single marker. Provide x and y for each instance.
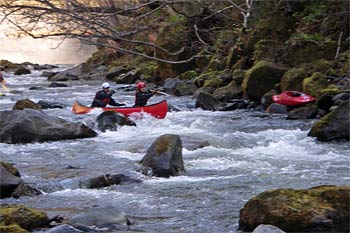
(229, 157)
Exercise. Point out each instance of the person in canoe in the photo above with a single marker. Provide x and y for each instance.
(104, 97)
(142, 94)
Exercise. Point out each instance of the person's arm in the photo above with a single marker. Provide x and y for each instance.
(114, 103)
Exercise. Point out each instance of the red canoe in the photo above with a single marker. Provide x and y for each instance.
(292, 98)
(158, 110)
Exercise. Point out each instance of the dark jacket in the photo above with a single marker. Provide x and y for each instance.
(141, 98)
(102, 99)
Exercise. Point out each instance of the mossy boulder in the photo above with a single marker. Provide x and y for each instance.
(297, 52)
(315, 84)
(261, 78)
(21, 218)
(228, 92)
(188, 75)
(292, 80)
(206, 77)
(266, 50)
(216, 63)
(26, 103)
(334, 125)
(147, 70)
(319, 209)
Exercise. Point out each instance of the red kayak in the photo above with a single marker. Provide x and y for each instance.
(158, 110)
(293, 98)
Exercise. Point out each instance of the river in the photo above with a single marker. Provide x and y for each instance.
(244, 153)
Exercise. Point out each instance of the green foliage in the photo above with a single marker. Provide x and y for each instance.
(313, 37)
(314, 10)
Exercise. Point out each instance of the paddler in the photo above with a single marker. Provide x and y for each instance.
(104, 97)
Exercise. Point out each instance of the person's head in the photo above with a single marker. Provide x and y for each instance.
(105, 87)
(141, 86)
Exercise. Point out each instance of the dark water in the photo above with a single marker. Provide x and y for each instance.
(246, 153)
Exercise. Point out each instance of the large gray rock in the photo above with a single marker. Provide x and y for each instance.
(109, 120)
(334, 125)
(207, 102)
(8, 182)
(28, 125)
(164, 156)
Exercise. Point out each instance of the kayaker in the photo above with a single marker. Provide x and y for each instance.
(142, 94)
(104, 97)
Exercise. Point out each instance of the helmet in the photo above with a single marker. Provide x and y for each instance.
(105, 85)
(140, 85)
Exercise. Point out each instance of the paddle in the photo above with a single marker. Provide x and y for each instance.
(119, 100)
(160, 92)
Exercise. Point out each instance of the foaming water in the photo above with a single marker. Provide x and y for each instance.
(229, 157)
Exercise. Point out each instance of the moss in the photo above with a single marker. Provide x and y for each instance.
(200, 80)
(25, 217)
(12, 228)
(188, 75)
(315, 84)
(293, 78)
(213, 82)
(146, 68)
(11, 169)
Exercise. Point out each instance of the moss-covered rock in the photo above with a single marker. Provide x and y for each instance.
(206, 77)
(25, 217)
(12, 228)
(10, 168)
(216, 63)
(188, 75)
(334, 125)
(266, 50)
(26, 103)
(315, 84)
(261, 78)
(298, 52)
(292, 80)
(319, 209)
(228, 92)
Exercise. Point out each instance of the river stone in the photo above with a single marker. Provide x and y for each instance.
(8, 182)
(25, 217)
(164, 156)
(109, 120)
(65, 228)
(207, 102)
(99, 217)
(334, 125)
(319, 209)
(28, 125)
(265, 228)
(26, 103)
(106, 180)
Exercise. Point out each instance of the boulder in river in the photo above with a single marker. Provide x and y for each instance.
(109, 120)
(28, 125)
(164, 156)
(19, 218)
(319, 209)
(334, 125)
(102, 217)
